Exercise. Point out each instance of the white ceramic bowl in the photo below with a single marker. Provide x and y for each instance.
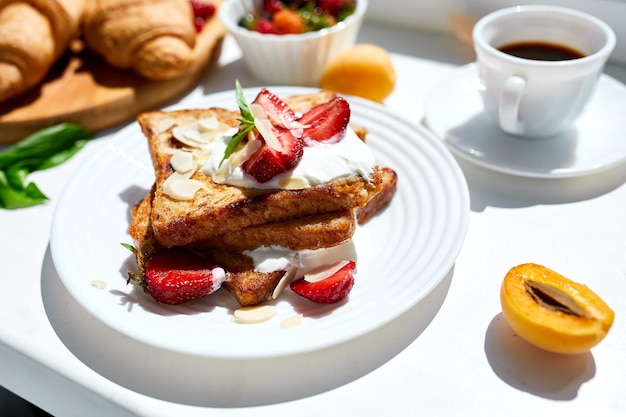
(290, 59)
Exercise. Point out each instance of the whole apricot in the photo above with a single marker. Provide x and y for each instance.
(364, 70)
(552, 312)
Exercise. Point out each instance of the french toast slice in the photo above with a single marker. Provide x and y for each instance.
(219, 209)
(310, 232)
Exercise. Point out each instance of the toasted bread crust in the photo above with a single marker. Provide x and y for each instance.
(209, 215)
(381, 199)
(311, 232)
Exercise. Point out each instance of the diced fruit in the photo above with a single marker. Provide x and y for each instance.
(329, 290)
(296, 16)
(272, 6)
(264, 26)
(326, 122)
(287, 22)
(552, 312)
(364, 70)
(175, 276)
(331, 6)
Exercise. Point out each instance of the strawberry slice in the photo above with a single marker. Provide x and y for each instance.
(267, 162)
(326, 122)
(283, 150)
(276, 110)
(329, 290)
(175, 276)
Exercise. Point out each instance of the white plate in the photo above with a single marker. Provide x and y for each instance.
(403, 253)
(596, 142)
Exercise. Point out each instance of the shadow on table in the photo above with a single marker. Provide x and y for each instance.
(493, 189)
(529, 369)
(223, 382)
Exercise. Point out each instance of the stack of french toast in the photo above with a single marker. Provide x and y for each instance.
(198, 228)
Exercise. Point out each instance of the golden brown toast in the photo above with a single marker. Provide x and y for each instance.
(380, 200)
(310, 232)
(219, 209)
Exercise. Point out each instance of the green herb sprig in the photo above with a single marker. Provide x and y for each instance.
(246, 123)
(41, 150)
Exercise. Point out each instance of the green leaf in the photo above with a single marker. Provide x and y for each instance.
(246, 123)
(62, 156)
(41, 150)
(12, 198)
(39, 147)
(242, 103)
(16, 177)
(128, 246)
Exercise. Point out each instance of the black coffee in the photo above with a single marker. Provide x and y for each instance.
(541, 51)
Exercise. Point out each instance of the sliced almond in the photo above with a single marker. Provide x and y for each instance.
(208, 124)
(188, 134)
(293, 183)
(284, 281)
(324, 271)
(291, 322)
(180, 187)
(265, 129)
(182, 161)
(256, 314)
(99, 284)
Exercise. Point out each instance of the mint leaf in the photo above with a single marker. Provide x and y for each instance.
(246, 123)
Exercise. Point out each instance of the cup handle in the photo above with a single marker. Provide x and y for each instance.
(508, 111)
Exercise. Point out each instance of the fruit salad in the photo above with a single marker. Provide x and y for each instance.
(282, 17)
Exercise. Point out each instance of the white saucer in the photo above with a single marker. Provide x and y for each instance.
(596, 142)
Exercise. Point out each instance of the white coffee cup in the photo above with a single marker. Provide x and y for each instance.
(532, 97)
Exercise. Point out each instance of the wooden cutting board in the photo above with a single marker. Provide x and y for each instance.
(82, 88)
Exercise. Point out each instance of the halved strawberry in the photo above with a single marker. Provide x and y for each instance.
(276, 110)
(326, 122)
(266, 162)
(174, 276)
(280, 150)
(332, 289)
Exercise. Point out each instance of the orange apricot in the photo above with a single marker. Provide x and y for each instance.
(365, 70)
(552, 312)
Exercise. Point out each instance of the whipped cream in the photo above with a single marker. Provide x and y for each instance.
(321, 163)
(278, 258)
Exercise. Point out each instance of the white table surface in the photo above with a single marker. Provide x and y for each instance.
(451, 355)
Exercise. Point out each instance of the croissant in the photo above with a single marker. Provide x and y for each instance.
(155, 38)
(33, 35)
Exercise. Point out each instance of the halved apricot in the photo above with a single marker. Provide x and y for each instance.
(552, 312)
